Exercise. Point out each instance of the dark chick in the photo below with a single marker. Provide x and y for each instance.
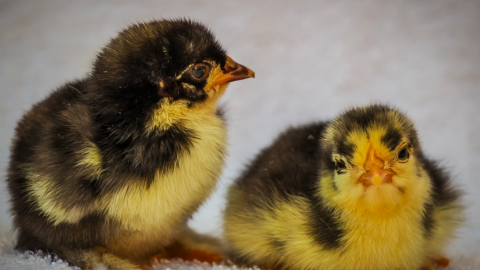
(108, 169)
(353, 193)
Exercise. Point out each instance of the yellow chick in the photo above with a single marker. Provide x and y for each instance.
(353, 193)
(107, 170)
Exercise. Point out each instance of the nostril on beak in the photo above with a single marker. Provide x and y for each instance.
(230, 65)
(371, 160)
(367, 166)
(380, 163)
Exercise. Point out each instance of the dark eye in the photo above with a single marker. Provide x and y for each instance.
(403, 154)
(340, 166)
(199, 72)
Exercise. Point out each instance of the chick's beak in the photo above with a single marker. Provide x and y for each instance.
(375, 174)
(233, 72)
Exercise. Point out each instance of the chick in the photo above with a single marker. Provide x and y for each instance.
(353, 193)
(107, 170)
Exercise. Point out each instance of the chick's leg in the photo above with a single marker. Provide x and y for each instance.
(442, 262)
(193, 246)
(99, 257)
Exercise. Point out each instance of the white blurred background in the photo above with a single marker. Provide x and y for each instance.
(313, 59)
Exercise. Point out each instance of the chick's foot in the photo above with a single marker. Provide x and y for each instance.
(180, 252)
(442, 262)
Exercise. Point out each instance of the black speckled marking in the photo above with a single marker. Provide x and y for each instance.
(392, 138)
(427, 220)
(277, 243)
(324, 227)
(345, 149)
(443, 192)
(287, 168)
(334, 185)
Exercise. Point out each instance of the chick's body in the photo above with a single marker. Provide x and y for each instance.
(107, 170)
(353, 193)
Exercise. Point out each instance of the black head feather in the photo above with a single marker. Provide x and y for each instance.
(131, 69)
(362, 119)
(144, 54)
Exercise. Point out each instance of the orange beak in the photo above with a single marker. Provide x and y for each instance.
(234, 72)
(375, 174)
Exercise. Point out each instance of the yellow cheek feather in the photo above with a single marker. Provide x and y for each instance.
(168, 114)
(178, 111)
(214, 74)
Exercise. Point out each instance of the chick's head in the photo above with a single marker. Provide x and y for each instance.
(371, 163)
(162, 63)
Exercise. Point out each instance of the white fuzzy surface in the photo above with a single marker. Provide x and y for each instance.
(313, 59)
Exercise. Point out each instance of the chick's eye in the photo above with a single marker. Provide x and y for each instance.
(199, 72)
(340, 166)
(403, 154)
